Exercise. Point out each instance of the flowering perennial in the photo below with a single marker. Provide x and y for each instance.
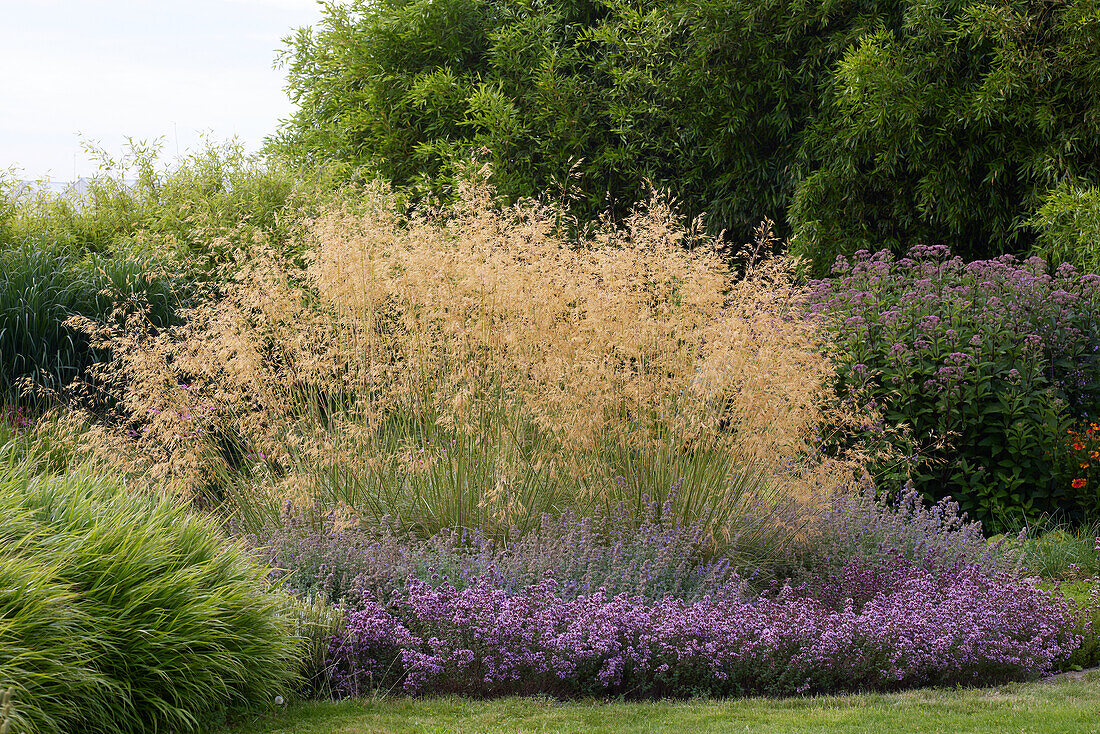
(988, 363)
(917, 628)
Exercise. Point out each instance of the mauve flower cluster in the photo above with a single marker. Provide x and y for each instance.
(988, 362)
(913, 628)
(14, 417)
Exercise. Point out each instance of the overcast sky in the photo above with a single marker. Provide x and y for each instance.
(145, 69)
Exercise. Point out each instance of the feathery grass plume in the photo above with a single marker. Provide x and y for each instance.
(474, 367)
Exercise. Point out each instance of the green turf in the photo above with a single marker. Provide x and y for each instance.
(1067, 705)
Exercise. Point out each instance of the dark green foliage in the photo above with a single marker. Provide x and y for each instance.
(951, 127)
(709, 98)
(411, 89)
(858, 123)
(42, 287)
(120, 613)
(586, 100)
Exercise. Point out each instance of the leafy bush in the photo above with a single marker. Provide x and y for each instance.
(579, 99)
(951, 124)
(990, 363)
(115, 245)
(885, 123)
(126, 614)
(215, 202)
(961, 627)
(1068, 226)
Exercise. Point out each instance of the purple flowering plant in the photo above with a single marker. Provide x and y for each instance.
(989, 364)
(650, 557)
(13, 417)
(890, 595)
(913, 628)
(867, 531)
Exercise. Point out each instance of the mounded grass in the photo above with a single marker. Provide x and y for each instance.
(124, 613)
(1065, 705)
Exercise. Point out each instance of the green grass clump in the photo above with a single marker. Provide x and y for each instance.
(121, 613)
(1085, 595)
(1068, 559)
(41, 287)
(1062, 552)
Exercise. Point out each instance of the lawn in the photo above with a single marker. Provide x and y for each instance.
(1065, 704)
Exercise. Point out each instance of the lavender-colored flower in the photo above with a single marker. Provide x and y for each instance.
(910, 627)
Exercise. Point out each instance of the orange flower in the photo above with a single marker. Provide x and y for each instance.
(1078, 483)
(1084, 465)
(1078, 446)
(1094, 454)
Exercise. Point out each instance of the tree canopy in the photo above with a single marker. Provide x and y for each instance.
(851, 123)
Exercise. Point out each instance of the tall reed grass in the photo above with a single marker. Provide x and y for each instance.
(478, 368)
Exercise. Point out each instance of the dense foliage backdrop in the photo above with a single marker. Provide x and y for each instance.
(852, 123)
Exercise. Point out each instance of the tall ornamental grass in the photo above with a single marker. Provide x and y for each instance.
(42, 286)
(122, 613)
(475, 368)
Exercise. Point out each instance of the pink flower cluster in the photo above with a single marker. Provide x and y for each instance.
(924, 627)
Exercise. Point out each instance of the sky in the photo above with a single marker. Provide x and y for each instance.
(108, 70)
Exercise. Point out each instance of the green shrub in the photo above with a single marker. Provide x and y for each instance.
(704, 98)
(880, 123)
(950, 126)
(127, 614)
(1068, 225)
(216, 202)
(145, 243)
